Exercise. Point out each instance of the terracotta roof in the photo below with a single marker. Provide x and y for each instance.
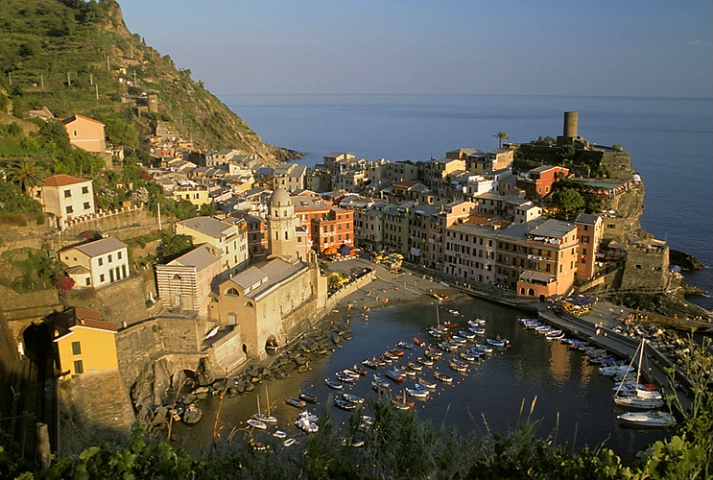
(75, 317)
(76, 117)
(62, 180)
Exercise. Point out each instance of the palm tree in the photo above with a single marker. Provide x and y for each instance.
(25, 173)
(501, 136)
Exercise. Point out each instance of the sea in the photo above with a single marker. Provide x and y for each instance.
(670, 141)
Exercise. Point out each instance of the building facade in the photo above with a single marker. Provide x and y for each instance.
(98, 263)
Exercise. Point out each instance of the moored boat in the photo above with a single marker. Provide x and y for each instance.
(426, 384)
(308, 397)
(352, 398)
(279, 434)
(257, 424)
(442, 377)
(295, 402)
(289, 442)
(344, 404)
(648, 419)
(306, 423)
(417, 393)
(395, 374)
(333, 385)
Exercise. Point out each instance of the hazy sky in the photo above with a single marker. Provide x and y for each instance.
(578, 47)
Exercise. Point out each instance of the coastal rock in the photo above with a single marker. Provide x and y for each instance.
(152, 384)
(684, 260)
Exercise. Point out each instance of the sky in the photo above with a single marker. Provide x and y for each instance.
(548, 47)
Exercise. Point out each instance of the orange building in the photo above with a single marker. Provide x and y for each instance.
(590, 229)
(538, 182)
(85, 133)
(258, 245)
(332, 230)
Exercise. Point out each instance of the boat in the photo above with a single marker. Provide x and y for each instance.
(404, 345)
(279, 434)
(344, 378)
(477, 330)
(425, 361)
(381, 381)
(192, 414)
(417, 392)
(351, 373)
(333, 385)
(402, 404)
(640, 398)
(390, 355)
(395, 374)
(407, 371)
(495, 342)
(450, 324)
(654, 418)
(306, 423)
(257, 424)
(457, 366)
(467, 335)
(458, 339)
(359, 370)
(352, 398)
(419, 342)
(426, 384)
(295, 402)
(289, 442)
(396, 353)
(478, 322)
(344, 404)
(369, 364)
(483, 348)
(468, 357)
(308, 397)
(264, 417)
(379, 388)
(442, 377)
(434, 333)
(414, 366)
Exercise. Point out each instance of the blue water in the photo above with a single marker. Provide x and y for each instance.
(670, 141)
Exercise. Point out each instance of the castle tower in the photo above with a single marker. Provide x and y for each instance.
(571, 124)
(281, 225)
(153, 103)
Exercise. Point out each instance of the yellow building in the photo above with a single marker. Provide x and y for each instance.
(85, 133)
(83, 343)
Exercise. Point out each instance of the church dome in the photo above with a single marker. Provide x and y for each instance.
(280, 198)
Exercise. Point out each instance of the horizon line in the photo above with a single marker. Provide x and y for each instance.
(661, 97)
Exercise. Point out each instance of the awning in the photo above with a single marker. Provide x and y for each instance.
(536, 277)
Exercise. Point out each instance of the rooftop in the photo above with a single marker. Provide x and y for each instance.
(100, 247)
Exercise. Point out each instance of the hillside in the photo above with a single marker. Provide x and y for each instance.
(77, 57)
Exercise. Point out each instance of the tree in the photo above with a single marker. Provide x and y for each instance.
(568, 200)
(25, 173)
(120, 133)
(501, 136)
(173, 245)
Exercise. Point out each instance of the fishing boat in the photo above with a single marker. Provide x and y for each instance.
(640, 398)
(295, 402)
(467, 335)
(395, 374)
(468, 357)
(390, 355)
(264, 417)
(351, 373)
(333, 385)
(417, 392)
(442, 377)
(369, 364)
(344, 405)
(476, 322)
(655, 418)
(401, 403)
(279, 434)
(495, 342)
(344, 378)
(483, 348)
(404, 345)
(458, 367)
(414, 366)
(450, 324)
(306, 423)
(352, 398)
(308, 397)
(434, 333)
(425, 361)
(477, 330)
(426, 384)
(257, 424)
(407, 371)
(458, 339)
(382, 381)
(419, 342)
(396, 353)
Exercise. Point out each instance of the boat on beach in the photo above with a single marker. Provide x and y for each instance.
(295, 402)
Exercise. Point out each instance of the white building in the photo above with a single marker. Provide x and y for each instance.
(96, 264)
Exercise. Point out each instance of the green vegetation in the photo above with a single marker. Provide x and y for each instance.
(399, 446)
(569, 202)
(501, 136)
(28, 270)
(173, 246)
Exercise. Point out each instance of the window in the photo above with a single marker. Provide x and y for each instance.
(67, 193)
(69, 209)
(78, 367)
(76, 348)
(101, 278)
(86, 206)
(87, 281)
(118, 255)
(110, 259)
(232, 292)
(100, 261)
(85, 190)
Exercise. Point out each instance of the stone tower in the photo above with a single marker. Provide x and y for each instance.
(571, 124)
(281, 225)
(152, 101)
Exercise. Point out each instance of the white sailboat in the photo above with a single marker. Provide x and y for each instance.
(264, 417)
(640, 398)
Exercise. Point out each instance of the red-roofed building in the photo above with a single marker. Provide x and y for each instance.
(66, 197)
(329, 232)
(85, 133)
(538, 182)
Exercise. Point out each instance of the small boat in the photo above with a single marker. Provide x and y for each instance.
(457, 366)
(648, 419)
(477, 330)
(352, 398)
(308, 397)
(289, 442)
(425, 361)
(257, 424)
(344, 405)
(467, 356)
(379, 388)
(265, 417)
(359, 370)
(367, 419)
(395, 374)
(442, 377)
(477, 322)
(407, 371)
(417, 392)
(404, 345)
(396, 352)
(401, 403)
(306, 423)
(279, 434)
(640, 398)
(344, 378)
(333, 385)
(467, 335)
(414, 366)
(419, 342)
(458, 339)
(448, 346)
(390, 356)
(295, 402)
(450, 324)
(350, 373)
(379, 362)
(484, 348)
(434, 333)
(369, 364)
(192, 414)
(495, 342)
(426, 384)
(381, 381)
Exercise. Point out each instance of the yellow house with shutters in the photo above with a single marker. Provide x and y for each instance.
(83, 343)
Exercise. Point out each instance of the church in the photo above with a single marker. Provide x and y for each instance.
(271, 302)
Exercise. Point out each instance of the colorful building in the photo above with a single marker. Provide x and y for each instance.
(98, 263)
(85, 133)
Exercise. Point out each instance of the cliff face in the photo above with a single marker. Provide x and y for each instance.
(78, 57)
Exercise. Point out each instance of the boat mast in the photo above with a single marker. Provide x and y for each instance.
(641, 360)
(621, 384)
